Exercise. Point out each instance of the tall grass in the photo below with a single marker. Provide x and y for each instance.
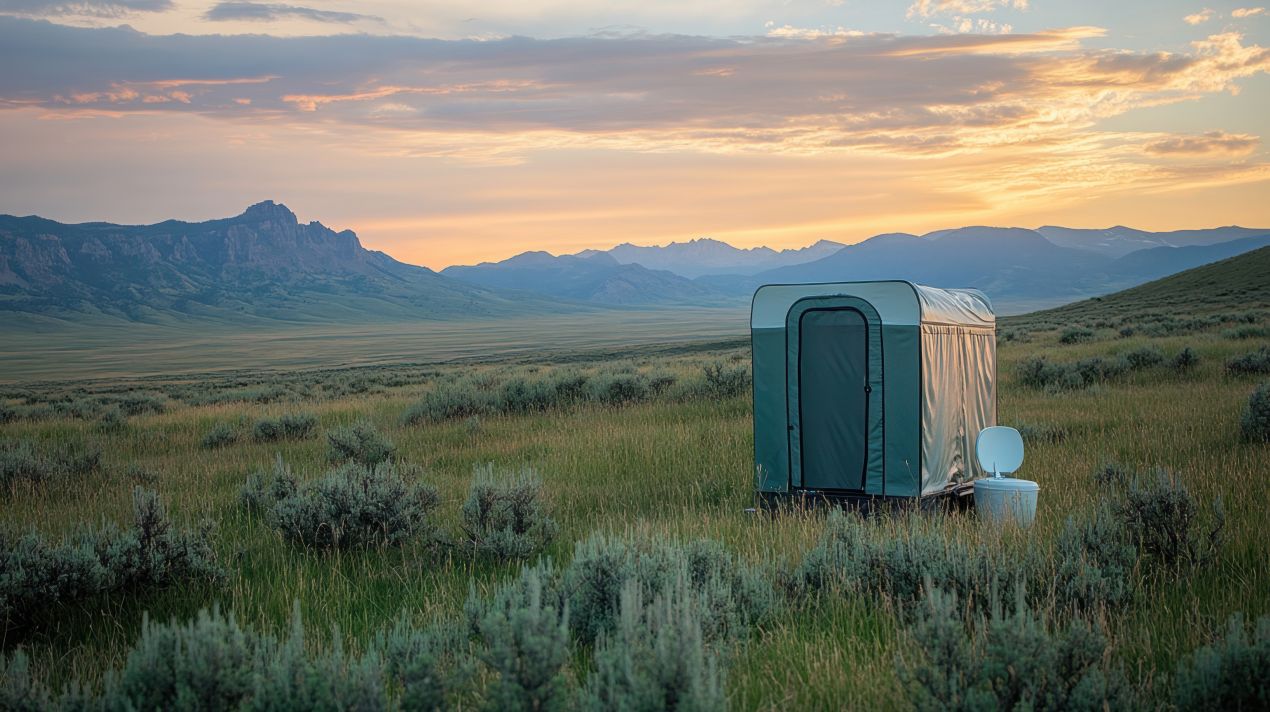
(670, 466)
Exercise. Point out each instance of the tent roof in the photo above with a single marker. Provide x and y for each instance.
(897, 302)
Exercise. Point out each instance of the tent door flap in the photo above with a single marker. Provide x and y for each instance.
(831, 430)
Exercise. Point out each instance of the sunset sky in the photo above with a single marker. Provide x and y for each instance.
(447, 133)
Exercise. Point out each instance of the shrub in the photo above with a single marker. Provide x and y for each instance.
(656, 658)
(1253, 362)
(291, 426)
(428, 664)
(7, 414)
(1019, 335)
(447, 402)
(1162, 518)
(1036, 372)
(19, 691)
(1096, 562)
(857, 556)
(1185, 360)
(140, 404)
(151, 554)
(1041, 432)
(288, 676)
(1144, 357)
(23, 460)
(1114, 473)
(1075, 335)
(352, 506)
(1255, 424)
(211, 662)
(112, 420)
(520, 396)
(221, 435)
(207, 663)
(140, 474)
(1247, 331)
(505, 515)
(1231, 674)
(527, 645)
(360, 443)
(81, 408)
(263, 490)
(618, 389)
(733, 594)
(1015, 661)
(723, 381)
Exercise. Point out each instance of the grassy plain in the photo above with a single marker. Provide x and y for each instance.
(674, 468)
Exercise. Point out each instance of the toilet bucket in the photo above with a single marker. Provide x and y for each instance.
(1003, 499)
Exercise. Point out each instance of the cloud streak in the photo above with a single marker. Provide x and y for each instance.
(931, 8)
(235, 10)
(1212, 142)
(93, 8)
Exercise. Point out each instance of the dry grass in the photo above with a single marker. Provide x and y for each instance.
(670, 469)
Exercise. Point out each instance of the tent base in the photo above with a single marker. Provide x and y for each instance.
(955, 498)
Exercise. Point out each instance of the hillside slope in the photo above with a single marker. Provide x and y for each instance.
(1236, 284)
(1006, 263)
(1119, 241)
(260, 265)
(597, 277)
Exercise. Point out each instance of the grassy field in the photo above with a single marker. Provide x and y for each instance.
(669, 464)
(75, 351)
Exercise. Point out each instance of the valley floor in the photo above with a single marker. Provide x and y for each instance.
(120, 349)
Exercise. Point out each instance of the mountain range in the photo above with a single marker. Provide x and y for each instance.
(1017, 267)
(706, 256)
(589, 277)
(265, 266)
(260, 265)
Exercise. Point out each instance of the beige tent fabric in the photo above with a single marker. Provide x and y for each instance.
(958, 400)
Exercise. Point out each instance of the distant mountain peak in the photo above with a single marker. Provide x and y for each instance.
(268, 210)
(259, 264)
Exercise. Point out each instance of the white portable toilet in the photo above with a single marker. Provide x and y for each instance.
(999, 498)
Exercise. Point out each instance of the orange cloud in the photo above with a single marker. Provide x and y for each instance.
(1212, 142)
(310, 102)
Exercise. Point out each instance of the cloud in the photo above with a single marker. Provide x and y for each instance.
(930, 8)
(231, 10)
(1212, 142)
(980, 25)
(808, 33)
(1247, 11)
(94, 8)
(1199, 18)
(496, 101)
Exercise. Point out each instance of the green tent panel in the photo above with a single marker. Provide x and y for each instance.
(873, 389)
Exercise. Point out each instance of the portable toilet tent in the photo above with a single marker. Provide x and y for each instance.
(870, 389)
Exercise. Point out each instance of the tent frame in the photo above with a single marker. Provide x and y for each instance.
(916, 335)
